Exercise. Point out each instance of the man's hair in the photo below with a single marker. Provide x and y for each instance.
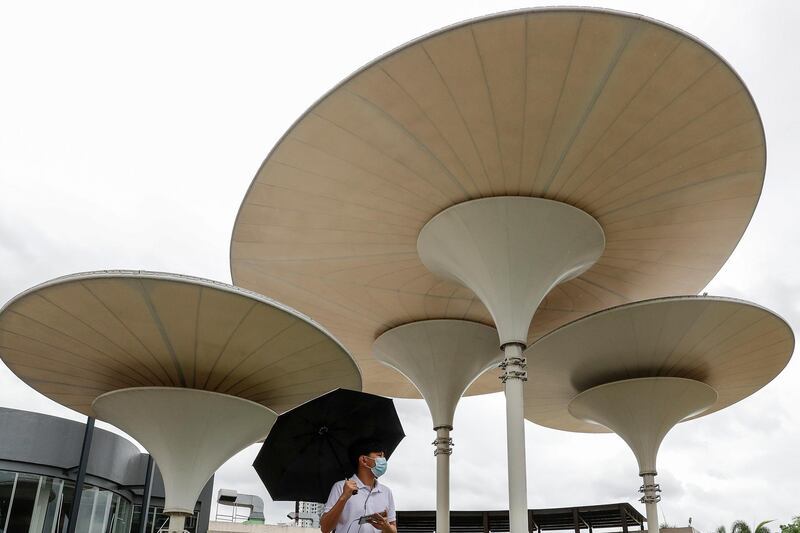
(362, 447)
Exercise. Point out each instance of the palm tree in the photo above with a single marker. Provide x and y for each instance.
(740, 526)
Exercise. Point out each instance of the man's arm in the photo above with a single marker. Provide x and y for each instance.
(335, 505)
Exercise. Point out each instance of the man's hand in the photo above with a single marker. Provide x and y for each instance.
(349, 488)
(380, 521)
(327, 522)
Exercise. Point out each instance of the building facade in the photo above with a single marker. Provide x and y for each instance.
(39, 460)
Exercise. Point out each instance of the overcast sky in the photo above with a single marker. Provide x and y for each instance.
(129, 133)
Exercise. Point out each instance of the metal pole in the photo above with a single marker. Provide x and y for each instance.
(76, 499)
(296, 512)
(650, 500)
(513, 376)
(624, 518)
(443, 451)
(148, 487)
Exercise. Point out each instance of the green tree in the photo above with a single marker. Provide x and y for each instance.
(791, 527)
(740, 526)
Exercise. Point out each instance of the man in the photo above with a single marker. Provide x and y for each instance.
(361, 496)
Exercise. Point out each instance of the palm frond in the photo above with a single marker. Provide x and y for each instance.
(761, 528)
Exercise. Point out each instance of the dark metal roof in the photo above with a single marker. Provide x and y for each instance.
(620, 516)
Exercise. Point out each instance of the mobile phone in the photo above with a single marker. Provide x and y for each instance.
(364, 519)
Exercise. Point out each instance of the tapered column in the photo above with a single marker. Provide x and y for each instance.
(189, 432)
(441, 358)
(642, 411)
(511, 251)
(443, 451)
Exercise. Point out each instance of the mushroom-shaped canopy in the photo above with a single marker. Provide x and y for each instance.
(83, 335)
(441, 358)
(638, 124)
(732, 346)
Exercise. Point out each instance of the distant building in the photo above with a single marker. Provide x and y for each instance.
(39, 459)
(312, 507)
(308, 514)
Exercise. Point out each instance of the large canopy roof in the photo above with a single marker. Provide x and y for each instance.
(733, 346)
(635, 122)
(77, 337)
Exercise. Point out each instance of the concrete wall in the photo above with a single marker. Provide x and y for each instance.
(235, 527)
(54, 442)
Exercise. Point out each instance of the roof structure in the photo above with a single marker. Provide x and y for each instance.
(638, 124)
(621, 516)
(732, 346)
(80, 336)
(193, 369)
(441, 357)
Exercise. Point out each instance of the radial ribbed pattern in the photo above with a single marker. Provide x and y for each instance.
(81, 336)
(735, 347)
(639, 125)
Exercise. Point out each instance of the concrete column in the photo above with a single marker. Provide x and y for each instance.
(513, 376)
(176, 522)
(443, 451)
(650, 500)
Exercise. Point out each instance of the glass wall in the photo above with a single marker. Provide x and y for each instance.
(31, 503)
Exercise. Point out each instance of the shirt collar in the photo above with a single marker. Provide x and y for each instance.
(360, 484)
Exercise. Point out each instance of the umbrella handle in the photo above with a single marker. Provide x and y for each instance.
(355, 491)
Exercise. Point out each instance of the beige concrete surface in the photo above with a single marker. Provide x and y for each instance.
(734, 347)
(636, 123)
(80, 336)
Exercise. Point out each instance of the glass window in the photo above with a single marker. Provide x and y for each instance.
(45, 507)
(100, 511)
(123, 516)
(22, 502)
(66, 506)
(39, 504)
(86, 510)
(7, 481)
(54, 499)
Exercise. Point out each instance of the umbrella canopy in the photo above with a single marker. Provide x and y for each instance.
(307, 450)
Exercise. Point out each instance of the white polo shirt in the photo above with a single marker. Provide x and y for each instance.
(366, 502)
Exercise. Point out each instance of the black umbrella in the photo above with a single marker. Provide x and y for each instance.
(306, 451)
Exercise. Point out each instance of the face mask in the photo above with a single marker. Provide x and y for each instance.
(380, 466)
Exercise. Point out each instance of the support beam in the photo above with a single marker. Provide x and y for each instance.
(148, 488)
(76, 499)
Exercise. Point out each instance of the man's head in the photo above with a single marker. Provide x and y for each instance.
(364, 453)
